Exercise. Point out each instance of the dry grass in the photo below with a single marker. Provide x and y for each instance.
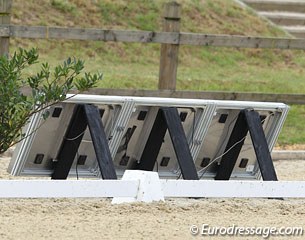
(131, 65)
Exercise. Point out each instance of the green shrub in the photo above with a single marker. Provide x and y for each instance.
(46, 88)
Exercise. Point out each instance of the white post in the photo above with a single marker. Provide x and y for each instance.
(149, 190)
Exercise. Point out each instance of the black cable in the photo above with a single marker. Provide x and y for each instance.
(216, 158)
(76, 164)
(219, 148)
(77, 153)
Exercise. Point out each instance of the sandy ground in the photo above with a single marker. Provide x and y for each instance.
(172, 219)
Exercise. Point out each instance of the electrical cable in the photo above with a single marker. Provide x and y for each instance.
(263, 121)
(77, 153)
(215, 159)
(74, 138)
(76, 164)
(203, 170)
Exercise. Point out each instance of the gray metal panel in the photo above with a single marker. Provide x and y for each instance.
(128, 122)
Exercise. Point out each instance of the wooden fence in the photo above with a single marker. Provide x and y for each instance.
(170, 39)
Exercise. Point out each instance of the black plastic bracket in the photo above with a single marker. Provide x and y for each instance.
(83, 116)
(247, 120)
(168, 119)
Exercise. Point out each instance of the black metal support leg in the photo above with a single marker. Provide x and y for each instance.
(100, 142)
(228, 161)
(71, 142)
(168, 118)
(153, 144)
(248, 120)
(83, 116)
(182, 150)
(260, 146)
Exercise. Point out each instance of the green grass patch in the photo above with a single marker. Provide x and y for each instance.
(293, 131)
(136, 66)
(64, 5)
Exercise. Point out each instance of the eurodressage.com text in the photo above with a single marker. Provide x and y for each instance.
(264, 232)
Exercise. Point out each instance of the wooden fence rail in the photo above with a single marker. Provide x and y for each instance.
(239, 96)
(182, 38)
(220, 95)
(171, 38)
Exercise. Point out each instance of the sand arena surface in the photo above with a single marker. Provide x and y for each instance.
(98, 219)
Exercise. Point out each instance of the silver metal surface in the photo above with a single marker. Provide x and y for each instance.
(128, 122)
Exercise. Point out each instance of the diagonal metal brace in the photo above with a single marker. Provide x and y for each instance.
(260, 145)
(168, 119)
(83, 116)
(100, 142)
(248, 120)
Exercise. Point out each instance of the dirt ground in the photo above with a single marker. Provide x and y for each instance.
(172, 219)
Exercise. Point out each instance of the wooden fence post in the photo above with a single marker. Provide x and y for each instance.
(169, 52)
(5, 18)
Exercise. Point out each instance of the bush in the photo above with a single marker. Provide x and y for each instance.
(46, 88)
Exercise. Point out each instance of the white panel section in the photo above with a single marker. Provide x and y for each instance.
(23, 148)
(67, 188)
(233, 189)
(146, 187)
(175, 102)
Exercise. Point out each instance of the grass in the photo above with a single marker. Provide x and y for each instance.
(132, 65)
(293, 130)
(64, 5)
